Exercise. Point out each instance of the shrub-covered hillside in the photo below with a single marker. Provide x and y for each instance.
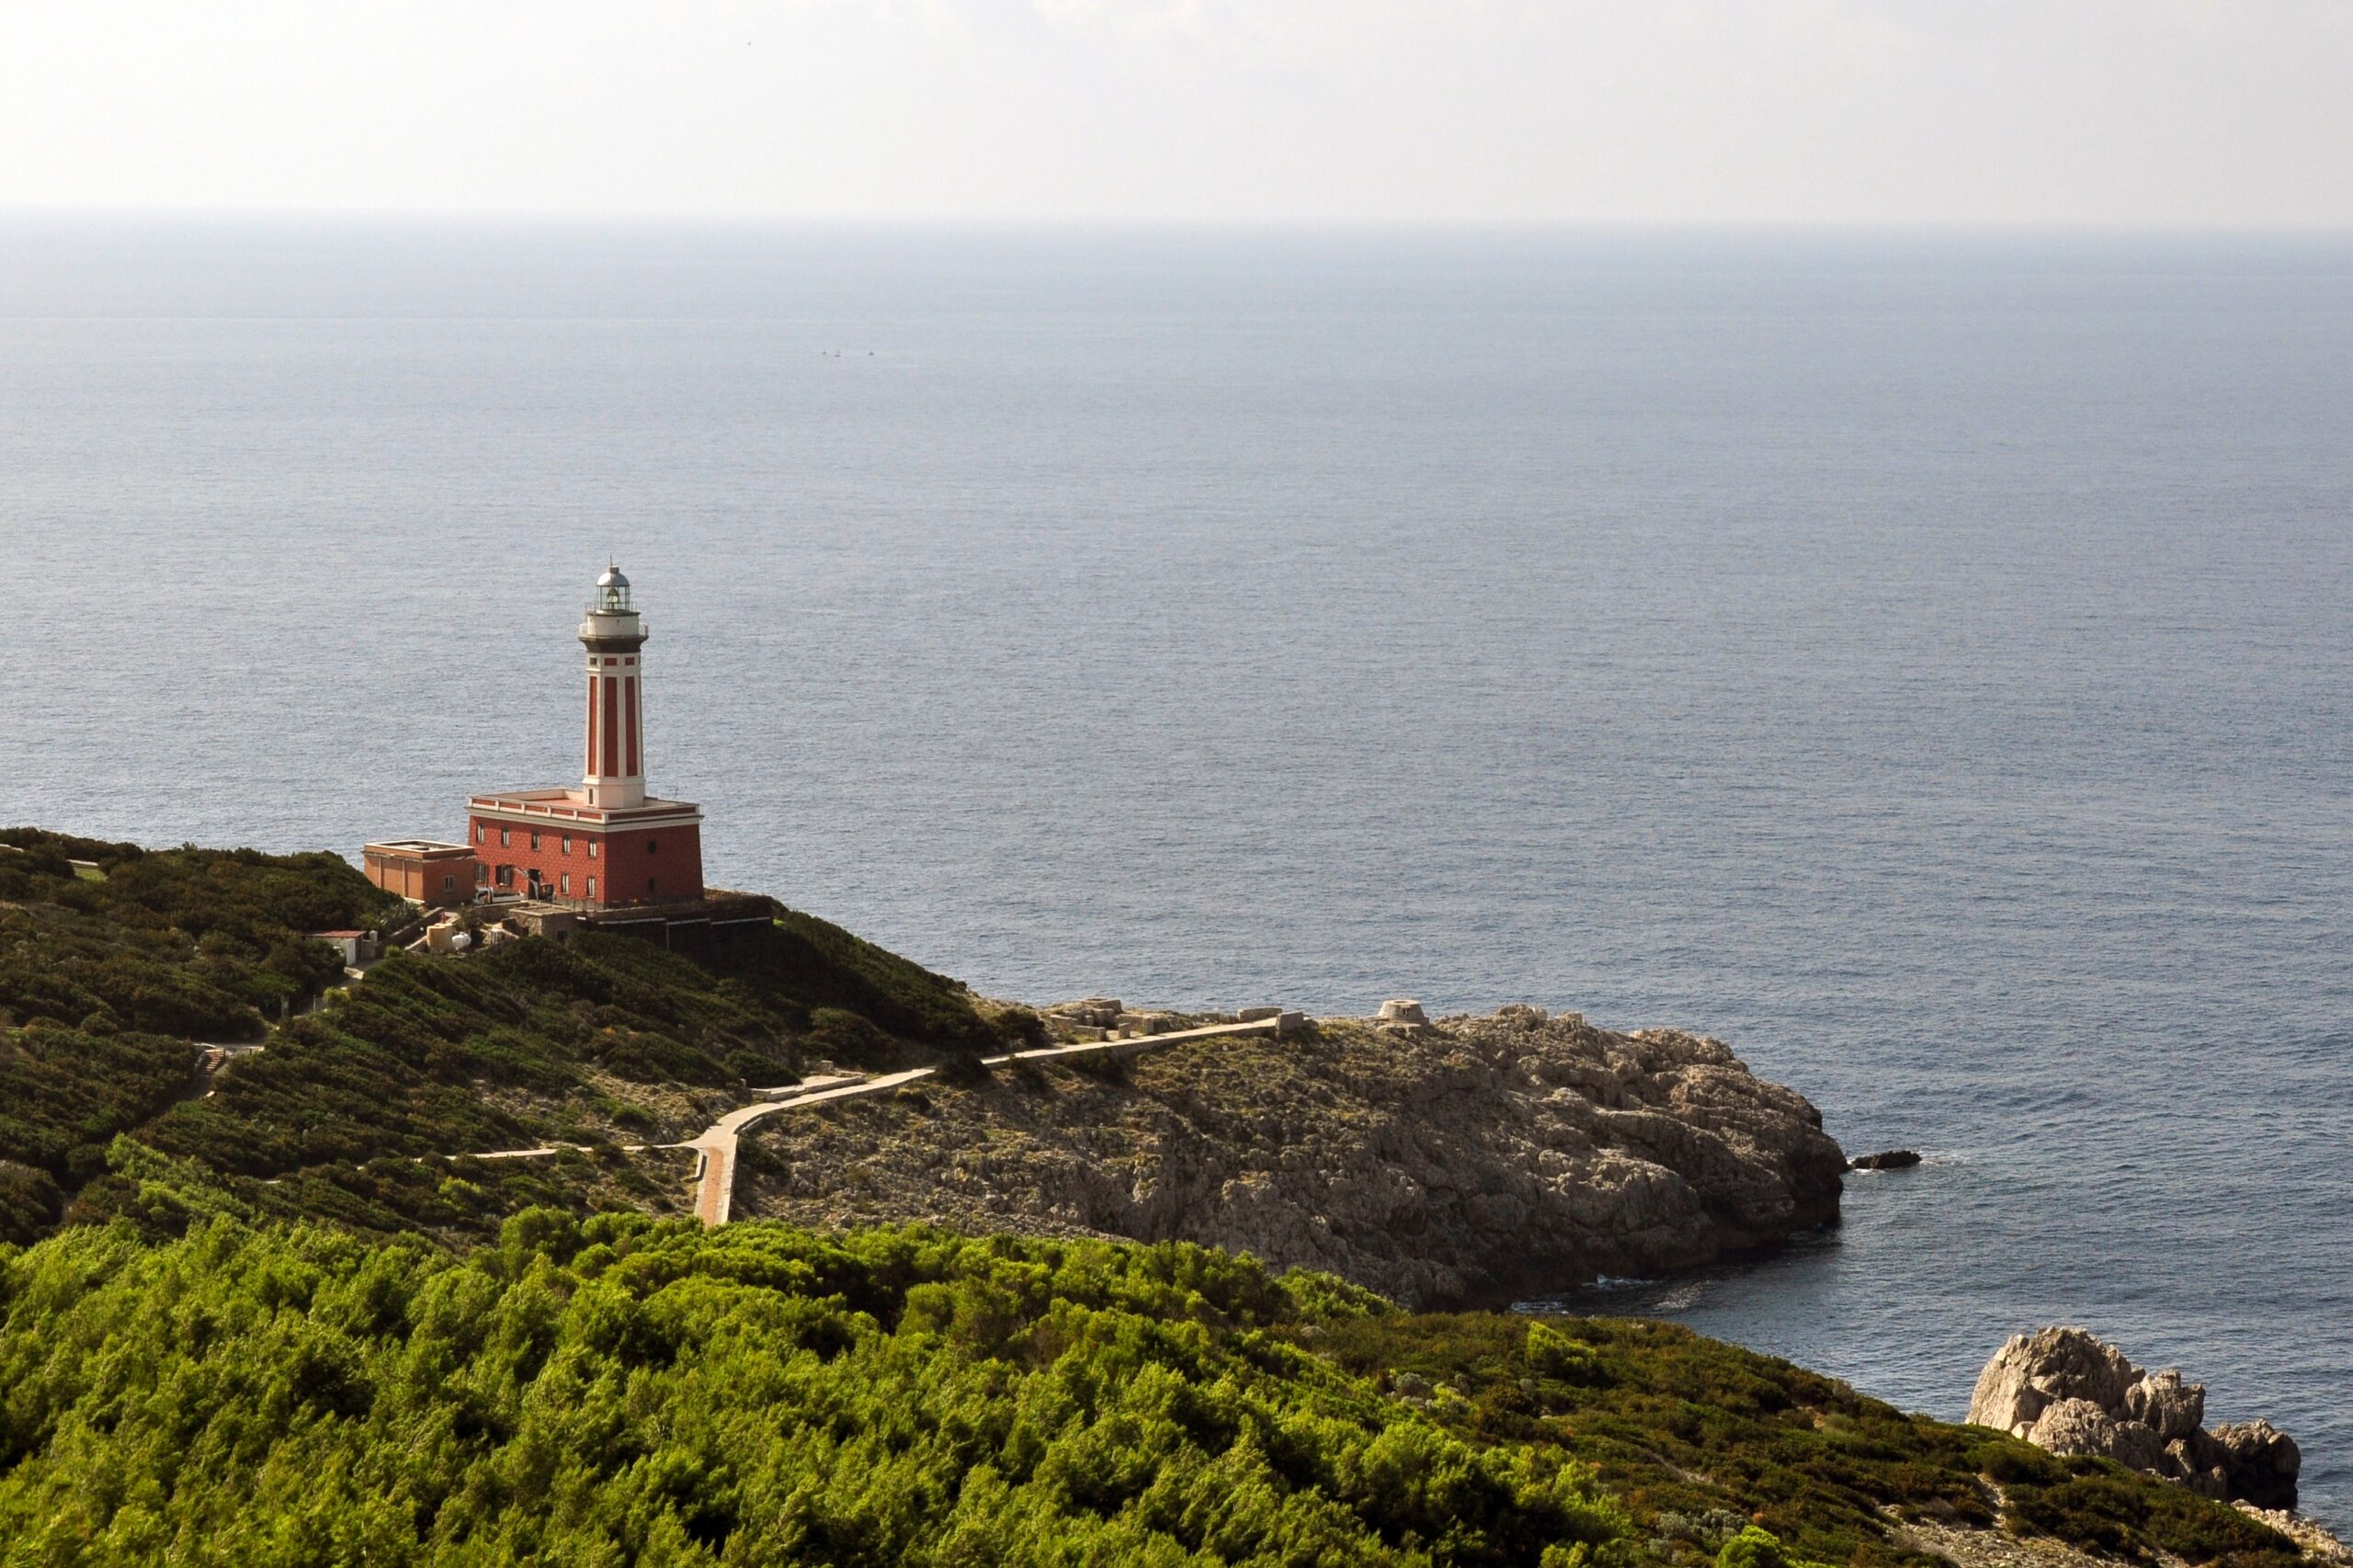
(202, 943)
(109, 970)
(107, 975)
(623, 1391)
(1699, 1440)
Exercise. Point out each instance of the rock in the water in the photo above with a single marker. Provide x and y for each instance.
(2166, 1405)
(2262, 1463)
(2066, 1390)
(1886, 1160)
(2032, 1372)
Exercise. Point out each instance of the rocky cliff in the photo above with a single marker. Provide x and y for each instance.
(1470, 1160)
(2065, 1389)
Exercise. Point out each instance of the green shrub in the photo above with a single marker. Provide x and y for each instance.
(837, 1034)
(30, 1201)
(963, 1069)
(1552, 1354)
(1751, 1548)
(1018, 1028)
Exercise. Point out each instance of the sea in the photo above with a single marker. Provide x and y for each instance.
(1922, 660)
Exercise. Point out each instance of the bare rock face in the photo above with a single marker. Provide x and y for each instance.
(2196, 1461)
(2261, 1462)
(2067, 1391)
(2166, 1405)
(1469, 1160)
(2073, 1426)
(2032, 1372)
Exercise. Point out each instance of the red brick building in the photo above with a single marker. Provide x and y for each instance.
(607, 843)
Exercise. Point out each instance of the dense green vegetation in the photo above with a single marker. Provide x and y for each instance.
(621, 1389)
(458, 1199)
(105, 978)
(189, 942)
(1699, 1439)
(626, 1391)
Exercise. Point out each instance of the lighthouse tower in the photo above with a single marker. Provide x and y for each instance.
(613, 634)
(607, 843)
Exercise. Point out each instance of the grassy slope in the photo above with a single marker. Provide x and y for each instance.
(103, 982)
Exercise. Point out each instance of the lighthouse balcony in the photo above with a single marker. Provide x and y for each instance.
(570, 805)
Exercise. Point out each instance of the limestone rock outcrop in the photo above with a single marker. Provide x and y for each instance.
(1467, 1160)
(2073, 1426)
(2166, 1405)
(2261, 1462)
(2030, 1373)
(2071, 1392)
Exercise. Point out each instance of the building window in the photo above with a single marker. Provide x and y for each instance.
(481, 833)
(567, 844)
(649, 884)
(482, 874)
(450, 883)
(506, 876)
(567, 884)
(651, 848)
(592, 849)
(592, 887)
(535, 841)
(505, 836)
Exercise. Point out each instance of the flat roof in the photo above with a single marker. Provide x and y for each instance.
(416, 845)
(568, 803)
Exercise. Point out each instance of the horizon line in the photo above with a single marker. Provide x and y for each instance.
(498, 217)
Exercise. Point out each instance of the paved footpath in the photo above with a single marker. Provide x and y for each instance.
(716, 1144)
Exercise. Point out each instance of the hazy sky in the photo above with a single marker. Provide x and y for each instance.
(2195, 112)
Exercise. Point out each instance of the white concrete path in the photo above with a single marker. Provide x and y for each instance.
(715, 1146)
(715, 1171)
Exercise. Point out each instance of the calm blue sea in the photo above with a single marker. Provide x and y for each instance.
(1926, 663)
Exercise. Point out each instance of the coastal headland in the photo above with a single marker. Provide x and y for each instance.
(269, 1291)
(1469, 1161)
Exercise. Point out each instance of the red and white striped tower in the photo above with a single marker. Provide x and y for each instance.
(613, 636)
(607, 844)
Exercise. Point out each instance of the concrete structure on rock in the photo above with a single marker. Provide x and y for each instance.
(606, 845)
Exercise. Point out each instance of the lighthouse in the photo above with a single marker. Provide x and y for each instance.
(607, 843)
(613, 636)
